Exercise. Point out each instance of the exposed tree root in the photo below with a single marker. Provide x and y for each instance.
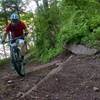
(51, 73)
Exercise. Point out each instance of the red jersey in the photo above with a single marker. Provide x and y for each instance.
(17, 29)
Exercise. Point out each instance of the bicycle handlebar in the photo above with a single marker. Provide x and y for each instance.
(13, 39)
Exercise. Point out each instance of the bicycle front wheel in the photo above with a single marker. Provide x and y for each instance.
(18, 63)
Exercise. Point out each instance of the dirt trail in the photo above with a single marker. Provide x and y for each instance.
(79, 79)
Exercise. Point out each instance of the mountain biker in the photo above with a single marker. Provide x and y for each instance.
(17, 28)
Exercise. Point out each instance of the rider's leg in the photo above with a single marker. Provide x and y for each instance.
(22, 46)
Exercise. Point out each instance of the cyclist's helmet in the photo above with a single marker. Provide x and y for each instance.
(14, 18)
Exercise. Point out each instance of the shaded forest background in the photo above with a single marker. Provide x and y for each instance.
(55, 23)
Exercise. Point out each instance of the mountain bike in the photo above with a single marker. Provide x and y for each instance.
(16, 56)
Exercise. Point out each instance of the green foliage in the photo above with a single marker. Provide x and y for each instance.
(89, 40)
(28, 17)
(46, 23)
(68, 21)
(74, 30)
(94, 21)
(78, 22)
(4, 61)
(97, 33)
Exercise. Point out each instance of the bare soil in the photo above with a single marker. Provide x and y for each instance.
(79, 79)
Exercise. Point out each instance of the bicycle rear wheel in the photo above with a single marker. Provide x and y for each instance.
(18, 62)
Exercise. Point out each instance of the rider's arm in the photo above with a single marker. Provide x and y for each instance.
(25, 32)
(8, 28)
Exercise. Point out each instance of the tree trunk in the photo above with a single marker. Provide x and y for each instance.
(37, 3)
(6, 22)
(45, 4)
